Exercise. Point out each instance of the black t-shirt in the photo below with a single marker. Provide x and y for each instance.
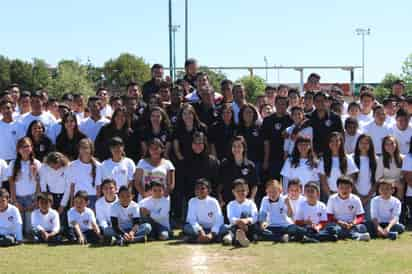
(207, 115)
(164, 135)
(221, 135)
(185, 139)
(254, 141)
(322, 128)
(69, 147)
(150, 88)
(272, 129)
(229, 171)
(42, 148)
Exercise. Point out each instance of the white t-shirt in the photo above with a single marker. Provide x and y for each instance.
(25, 182)
(385, 210)
(159, 209)
(125, 215)
(275, 213)
(10, 134)
(350, 142)
(364, 181)
(107, 111)
(403, 137)
(365, 119)
(407, 166)
(154, 173)
(3, 172)
(103, 211)
(289, 144)
(345, 210)
(303, 172)
(205, 213)
(91, 127)
(335, 172)
(121, 172)
(85, 219)
(236, 211)
(315, 213)
(54, 180)
(46, 118)
(295, 204)
(393, 172)
(11, 222)
(377, 134)
(49, 222)
(80, 174)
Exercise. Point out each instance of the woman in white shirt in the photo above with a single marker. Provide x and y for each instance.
(154, 167)
(334, 164)
(390, 165)
(300, 127)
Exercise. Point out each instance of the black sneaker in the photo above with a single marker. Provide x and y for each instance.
(309, 240)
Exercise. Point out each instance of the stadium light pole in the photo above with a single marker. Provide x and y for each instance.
(363, 32)
(170, 41)
(266, 67)
(175, 28)
(186, 29)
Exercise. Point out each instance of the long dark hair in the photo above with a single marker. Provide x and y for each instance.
(305, 123)
(93, 162)
(63, 137)
(242, 140)
(242, 109)
(180, 124)
(112, 123)
(371, 155)
(29, 132)
(327, 156)
(227, 107)
(17, 162)
(386, 157)
(312, 160)
(164, 124)
(157, 142)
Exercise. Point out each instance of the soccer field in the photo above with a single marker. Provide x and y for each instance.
(377, 256)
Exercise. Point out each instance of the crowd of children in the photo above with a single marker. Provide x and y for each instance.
(296, 166)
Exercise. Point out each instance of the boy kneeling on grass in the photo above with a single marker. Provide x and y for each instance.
(125, 217)
(311, 215)
(204, 222)
(242, 214)
(345, 212)
(11, 224)
(275, 216)
(155, 211)
(45, 220)
(83, 228)
(385, 212)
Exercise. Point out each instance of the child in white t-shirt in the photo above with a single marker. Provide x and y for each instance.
(45, 220)
(104, 206)
(126, 221)
(385, 212)
(300, 127)
(345, 212)
(155, 210)
(275, 216)
(3, 172)
(311, 215)
(204, 221)
(83, 228)
(11, 231)
(295, 195)
(242, 214)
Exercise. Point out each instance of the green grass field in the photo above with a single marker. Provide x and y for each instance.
(377, 256)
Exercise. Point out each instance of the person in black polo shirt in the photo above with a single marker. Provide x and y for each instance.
(205, 108)
(272, 130)
(153, 86)
(234, 167)
(323, 123)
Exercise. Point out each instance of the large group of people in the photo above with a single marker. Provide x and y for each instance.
(296, 165)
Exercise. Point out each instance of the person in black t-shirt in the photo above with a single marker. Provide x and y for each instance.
(272, 129)
(42, 144)
(153, 86)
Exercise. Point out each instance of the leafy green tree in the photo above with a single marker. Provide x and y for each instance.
(71, 76)
(127, 67)
(254, 86)
(407, 72)
(21, 73)
(4, 73)
(41, 74)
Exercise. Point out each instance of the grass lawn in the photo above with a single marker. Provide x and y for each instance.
(377, 256)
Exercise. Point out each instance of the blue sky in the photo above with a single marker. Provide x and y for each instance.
(222, 33)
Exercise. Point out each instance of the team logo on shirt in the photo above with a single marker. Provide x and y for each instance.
(351, 207)
(391, 210)
(10, 218)
(245, 171)
(141, 110)
(42, 148)
(174, 119)
(13, 132)
(51, 220)
(85, 222)
(123, 171)
(255, 133)
(163, 138)
(319, 214)
(281, 210)
(210, 214)
(328, 123)
(278, 126)
(158, 211)
(130, 215)
(215, 114)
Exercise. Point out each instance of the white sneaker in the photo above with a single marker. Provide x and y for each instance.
(364, 237)
(242, 238)
(227, 239)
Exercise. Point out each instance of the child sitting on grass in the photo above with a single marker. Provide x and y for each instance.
(45, 220)
(83, 228)
(125, 217)
(385, 212)
(242, 214)
(11, 224)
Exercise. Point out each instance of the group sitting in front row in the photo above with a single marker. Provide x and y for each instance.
(119, 220)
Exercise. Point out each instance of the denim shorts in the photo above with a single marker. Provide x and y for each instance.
(26, 201)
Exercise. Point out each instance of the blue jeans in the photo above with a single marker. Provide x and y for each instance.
(143, 231)
(400, 228)
(38, 238)
(344, 233)
(275, 233)
(90, 236)
(193, 232)
(323, 235)
(92, 201)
